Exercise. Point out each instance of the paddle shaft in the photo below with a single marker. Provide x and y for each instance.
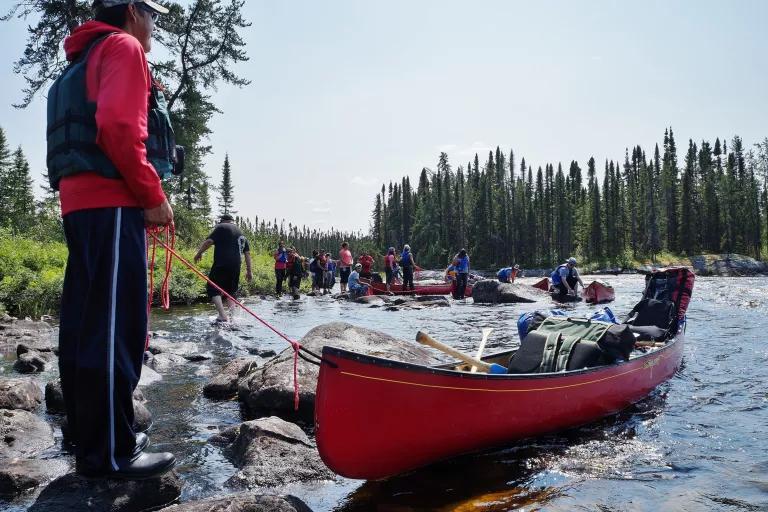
(425, 339)
(486, 333)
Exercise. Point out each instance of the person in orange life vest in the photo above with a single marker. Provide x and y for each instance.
(281, 264)
(345, 265)
(109, 191)
(366, 262)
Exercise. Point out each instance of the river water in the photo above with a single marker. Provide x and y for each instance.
(697, 443)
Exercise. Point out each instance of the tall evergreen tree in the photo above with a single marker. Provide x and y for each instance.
(226, 189)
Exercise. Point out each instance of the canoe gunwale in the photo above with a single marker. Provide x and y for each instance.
(443, 369)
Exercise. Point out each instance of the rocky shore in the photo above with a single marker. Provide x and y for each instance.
(273, 448)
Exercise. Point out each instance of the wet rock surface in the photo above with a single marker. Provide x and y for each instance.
(490, 291)
(223, 385)
(30, 361)
(243, 503)
(20, 475)
(37, 335)
(19, 394)
(269, 390)
(728, 265)
(23, 434)
(271, 452)
(149, 376)
(73, 492)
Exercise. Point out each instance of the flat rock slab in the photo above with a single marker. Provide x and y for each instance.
(269, 390)
(20, 475)
(223, 385)
(19, 394)
(489, 291)
(243, 503)
(73, 492)
(23, 434)
(271, 452)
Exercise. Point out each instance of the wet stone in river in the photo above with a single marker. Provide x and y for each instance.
(19, 394)
(23, 434)
(223, 385)
(245, 502)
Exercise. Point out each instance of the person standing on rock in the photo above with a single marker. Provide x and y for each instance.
(110, 142)
(229, 243)
(461, 263)
(295, 272)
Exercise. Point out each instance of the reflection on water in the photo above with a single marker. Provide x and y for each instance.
(697, 443)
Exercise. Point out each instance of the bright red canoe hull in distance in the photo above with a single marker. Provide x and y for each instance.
(543, 284)
(376, 418)
(424, 289)
(597, 292)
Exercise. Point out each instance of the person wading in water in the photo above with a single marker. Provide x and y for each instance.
(229, 243)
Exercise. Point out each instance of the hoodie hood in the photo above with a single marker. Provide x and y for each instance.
(82, 36)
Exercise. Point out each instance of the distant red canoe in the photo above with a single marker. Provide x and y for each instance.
(419, 289)
(543, 284)
(598, 292)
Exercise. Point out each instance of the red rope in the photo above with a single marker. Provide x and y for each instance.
(171, 251)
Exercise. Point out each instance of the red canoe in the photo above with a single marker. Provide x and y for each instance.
(423, 289)
(376, 418)
(543, 284)
(597, 292)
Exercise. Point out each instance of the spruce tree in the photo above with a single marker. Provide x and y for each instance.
(5, 185)
(226, 189)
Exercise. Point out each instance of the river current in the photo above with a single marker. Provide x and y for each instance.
(696, 443)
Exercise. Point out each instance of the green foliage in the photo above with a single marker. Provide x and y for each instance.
(31, 275)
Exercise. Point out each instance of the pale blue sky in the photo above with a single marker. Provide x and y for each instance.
(345, 95)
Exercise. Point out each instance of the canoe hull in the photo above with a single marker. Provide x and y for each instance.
(426, 289)
(598, 292)
(376, 418)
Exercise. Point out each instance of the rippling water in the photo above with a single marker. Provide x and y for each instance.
(697, 443)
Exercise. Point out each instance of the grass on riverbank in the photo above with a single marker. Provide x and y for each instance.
(32, 275)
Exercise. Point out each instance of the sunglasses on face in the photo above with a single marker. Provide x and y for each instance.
(148, 10)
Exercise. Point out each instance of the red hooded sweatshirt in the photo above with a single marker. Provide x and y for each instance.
(119, 82)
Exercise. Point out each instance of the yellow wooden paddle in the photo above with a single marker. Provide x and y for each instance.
(486, 332)
(425, 339)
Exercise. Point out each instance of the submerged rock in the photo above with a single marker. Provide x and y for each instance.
(271, 452)
(19, 394)
(490, 291)
(224, 384)
(270, 388)
(73, 492)
(245, 502)
(20, 475)
(371, 300)
(23, 434)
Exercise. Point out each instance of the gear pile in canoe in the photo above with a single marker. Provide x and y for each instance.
(375, 417)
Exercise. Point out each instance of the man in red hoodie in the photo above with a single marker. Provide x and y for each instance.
(109, 143)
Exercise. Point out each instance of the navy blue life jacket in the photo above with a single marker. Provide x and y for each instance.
(405, 259)
(71, 133)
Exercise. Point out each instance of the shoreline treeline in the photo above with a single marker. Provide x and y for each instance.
(649, 204)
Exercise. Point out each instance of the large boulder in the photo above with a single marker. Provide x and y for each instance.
(271, 452)
(223, 385)
(73, 492)
(20, 475)
(19, 394)
(23, 434)
(243, 503)
(490, 291)
(269, 390)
